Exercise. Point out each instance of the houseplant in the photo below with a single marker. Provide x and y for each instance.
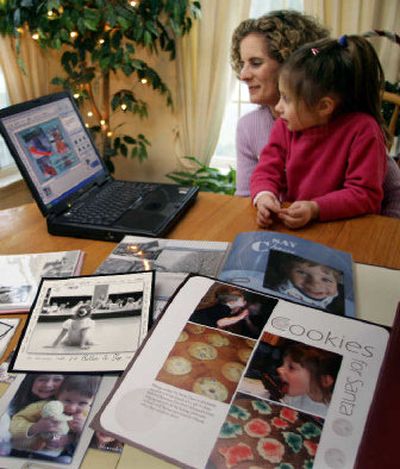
(97, 39)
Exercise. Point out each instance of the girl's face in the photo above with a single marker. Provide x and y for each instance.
(296, 115)
(296, 379)
(45, 386)
(317, 282)
(237, 303)
(259, 71)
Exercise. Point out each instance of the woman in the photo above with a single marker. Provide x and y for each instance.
(259, 47)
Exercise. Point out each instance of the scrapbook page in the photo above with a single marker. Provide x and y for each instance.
(20, 275)
(86, 324)
(232, 376)
(293, 268)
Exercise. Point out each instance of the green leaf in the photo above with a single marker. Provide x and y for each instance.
(128, 139)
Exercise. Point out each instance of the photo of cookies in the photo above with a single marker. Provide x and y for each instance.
(258, 433)
(207, 362)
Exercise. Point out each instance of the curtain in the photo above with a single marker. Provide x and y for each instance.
(205, 80)
(35, 80)
(360, 16)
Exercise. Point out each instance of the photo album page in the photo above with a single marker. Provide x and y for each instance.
(230, 375)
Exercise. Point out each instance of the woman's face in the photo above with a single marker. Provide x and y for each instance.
(259, 71)
(45, 386)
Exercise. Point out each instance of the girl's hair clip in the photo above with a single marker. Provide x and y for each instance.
(343, 40)
(314, 51)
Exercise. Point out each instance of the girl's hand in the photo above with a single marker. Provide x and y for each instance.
(267, 204)
(299, 213)
(225, 322)
(44, 425)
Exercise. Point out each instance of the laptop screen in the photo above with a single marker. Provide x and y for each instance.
(54, 147)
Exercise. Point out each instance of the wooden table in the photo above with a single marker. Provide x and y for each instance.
(371, 239)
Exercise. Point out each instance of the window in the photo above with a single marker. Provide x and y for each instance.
(225, 153)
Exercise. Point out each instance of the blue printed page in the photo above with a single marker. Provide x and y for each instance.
(292, 268)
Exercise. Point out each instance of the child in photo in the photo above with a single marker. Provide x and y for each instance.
(39, 436)
(34, 387)
(327, 151)
(77, 331)
(310, 282)
(308, 376)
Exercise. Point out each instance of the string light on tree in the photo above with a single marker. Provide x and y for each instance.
(86, 125)
(124, 107)
(102, 122)
(73, 34)
(90, 114)
(76, 95)
(143, 80)
(109, 134)
(35, 36)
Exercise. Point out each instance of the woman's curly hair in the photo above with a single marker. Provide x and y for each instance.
(284, 31)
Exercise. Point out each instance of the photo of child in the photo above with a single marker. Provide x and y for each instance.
(299, 375)
(78, 330)
(304, 280)
(233, 309)
(47, 416)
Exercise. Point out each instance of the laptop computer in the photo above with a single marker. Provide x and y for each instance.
(71, 185)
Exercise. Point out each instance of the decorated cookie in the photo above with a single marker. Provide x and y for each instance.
(244, 354)
(202, 351)
(271, 450)
(210, 387)
(217, 340)
(257, 428)
(236, 453)
(178, 366)
(183, 336)
(195, 329)
(232, 371)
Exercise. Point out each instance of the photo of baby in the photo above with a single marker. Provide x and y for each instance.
(234, 309)
(46, 416)
(299, 375)
(314, 284)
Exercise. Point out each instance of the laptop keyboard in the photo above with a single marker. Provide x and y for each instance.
(110, 203)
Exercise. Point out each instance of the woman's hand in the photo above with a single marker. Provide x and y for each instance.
(299, 213)
(267, 204)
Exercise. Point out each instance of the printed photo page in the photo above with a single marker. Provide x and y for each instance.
(229, 375)
(20, 275)
(86, 324)
(292, 268)
(31, 401)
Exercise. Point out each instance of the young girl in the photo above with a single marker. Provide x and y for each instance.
(327, 152)
(35, 387)
(308, 376)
